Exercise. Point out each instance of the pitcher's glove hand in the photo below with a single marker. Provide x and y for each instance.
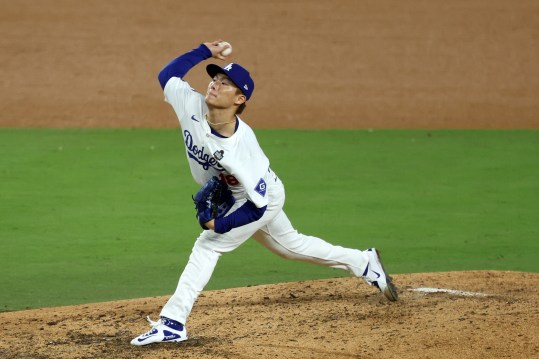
(212, 201)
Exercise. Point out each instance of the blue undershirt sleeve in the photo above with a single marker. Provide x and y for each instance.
(246, 214)
(181, 65)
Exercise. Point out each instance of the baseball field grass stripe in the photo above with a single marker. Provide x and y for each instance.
(91, 215)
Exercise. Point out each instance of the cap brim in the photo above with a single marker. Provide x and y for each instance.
(213, 70)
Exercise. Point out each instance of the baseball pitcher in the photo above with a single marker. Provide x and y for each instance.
(241, 197)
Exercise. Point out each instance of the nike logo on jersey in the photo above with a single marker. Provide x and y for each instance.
(199, 154)
(194, 118)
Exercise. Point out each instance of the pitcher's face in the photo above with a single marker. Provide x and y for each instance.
(223, 93)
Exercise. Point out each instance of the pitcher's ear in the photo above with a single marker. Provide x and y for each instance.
(240, 99)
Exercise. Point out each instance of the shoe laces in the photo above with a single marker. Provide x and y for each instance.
(152, 323)
(168, 323)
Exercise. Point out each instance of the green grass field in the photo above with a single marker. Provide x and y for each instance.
(96, 215)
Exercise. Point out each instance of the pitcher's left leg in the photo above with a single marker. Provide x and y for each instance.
(193, 279)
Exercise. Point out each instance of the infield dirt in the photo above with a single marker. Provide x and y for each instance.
(496, 317)
(323, 64)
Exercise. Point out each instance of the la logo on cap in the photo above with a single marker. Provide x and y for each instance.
(228, 67)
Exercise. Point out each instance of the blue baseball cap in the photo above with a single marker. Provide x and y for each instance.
(238, 74)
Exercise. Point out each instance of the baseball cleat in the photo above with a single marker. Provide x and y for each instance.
(375, 275)
(163, 331)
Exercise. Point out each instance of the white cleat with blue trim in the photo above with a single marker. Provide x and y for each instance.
(163, 331)
(375, 275)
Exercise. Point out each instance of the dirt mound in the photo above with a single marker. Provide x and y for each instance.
(480, 314)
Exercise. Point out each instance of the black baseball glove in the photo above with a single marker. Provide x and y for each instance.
(212, 201)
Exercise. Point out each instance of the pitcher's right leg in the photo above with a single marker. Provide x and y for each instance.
(281, 238)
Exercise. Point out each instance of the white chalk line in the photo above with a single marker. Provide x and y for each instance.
(449, 291)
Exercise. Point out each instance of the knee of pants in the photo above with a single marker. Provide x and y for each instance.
(286, 254)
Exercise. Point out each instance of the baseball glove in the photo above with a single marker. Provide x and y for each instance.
(212, 201)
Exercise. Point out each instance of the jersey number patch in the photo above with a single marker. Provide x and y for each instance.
(229, 179)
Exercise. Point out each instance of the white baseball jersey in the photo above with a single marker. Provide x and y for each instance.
(238, 159)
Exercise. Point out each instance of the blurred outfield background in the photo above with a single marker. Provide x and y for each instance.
(95, 215)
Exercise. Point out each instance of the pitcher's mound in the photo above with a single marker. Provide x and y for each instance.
(480, 314)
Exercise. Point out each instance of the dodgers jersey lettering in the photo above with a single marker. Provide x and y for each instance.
(239, 155)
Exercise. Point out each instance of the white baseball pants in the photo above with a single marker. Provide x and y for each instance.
(275, 232)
